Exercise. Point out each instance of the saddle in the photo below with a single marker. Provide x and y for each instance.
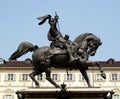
(57, 51)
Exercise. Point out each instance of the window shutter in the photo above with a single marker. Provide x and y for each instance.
(110, 76)
(6, 76)
(65, 77)
(12, 97)
(73, 76)
(80, 77)
(20, 76)
(28, 77)
(58, 76)
(119, 77)
(95, 76)
(3, 96)
(14, 76)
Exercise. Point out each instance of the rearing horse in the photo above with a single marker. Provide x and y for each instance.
(46, 57)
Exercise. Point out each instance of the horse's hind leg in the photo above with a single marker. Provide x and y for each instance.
(48, 77)
(84, 74)
(32, 76)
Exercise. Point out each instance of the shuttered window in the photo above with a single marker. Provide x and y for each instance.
(70, 77)
(24, 77)
(116, 96)
(55, 76)
(10, 77)
(114, 77)
(8, 97)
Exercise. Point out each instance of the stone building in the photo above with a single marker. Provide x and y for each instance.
(14, 75)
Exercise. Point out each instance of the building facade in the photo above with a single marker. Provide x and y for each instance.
(14, 75)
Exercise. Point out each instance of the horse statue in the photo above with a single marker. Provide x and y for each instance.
(44, 58)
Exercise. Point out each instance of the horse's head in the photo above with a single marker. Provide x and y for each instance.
(93, 46)
(87, 42)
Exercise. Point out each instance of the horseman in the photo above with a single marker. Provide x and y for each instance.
(56, 37)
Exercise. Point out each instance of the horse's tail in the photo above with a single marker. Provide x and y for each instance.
(22, 49)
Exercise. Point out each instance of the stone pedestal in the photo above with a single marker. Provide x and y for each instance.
(69, 93)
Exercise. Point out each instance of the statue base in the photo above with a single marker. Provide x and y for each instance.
(69, 93)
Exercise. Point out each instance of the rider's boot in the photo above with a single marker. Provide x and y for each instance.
(71, 58)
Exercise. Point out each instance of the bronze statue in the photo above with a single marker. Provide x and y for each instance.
(43, 60)
(62, 53)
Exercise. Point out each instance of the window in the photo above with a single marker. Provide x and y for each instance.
(8, 97)
(81, 78)
(70, 77)
(24, 77)
(114, 77)
(39, 77)
(10, 77)
(98, 77)
(116, 96)
(55, 76)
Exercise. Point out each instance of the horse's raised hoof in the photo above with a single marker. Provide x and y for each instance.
(103, 74)
(37, 86)
(57, 86)
(90, 86)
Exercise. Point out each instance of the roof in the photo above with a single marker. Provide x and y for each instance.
(28, 63)
(15, 63)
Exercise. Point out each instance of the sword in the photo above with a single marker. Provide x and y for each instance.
(57, 22)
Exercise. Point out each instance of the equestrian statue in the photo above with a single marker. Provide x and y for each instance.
(62, 52)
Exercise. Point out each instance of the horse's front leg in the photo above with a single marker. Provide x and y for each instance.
(101, 70)
(89, 63)
(48, 77)
(84, 74)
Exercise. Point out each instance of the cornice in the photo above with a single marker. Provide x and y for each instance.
(104, 68)
(16, 68)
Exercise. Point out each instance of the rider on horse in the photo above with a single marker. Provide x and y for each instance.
(56, 37)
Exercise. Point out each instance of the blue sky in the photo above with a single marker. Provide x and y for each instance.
(101, 17)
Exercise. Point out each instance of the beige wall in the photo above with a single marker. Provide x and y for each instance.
(10, 87)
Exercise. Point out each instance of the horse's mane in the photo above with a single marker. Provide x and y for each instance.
(81, 37)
